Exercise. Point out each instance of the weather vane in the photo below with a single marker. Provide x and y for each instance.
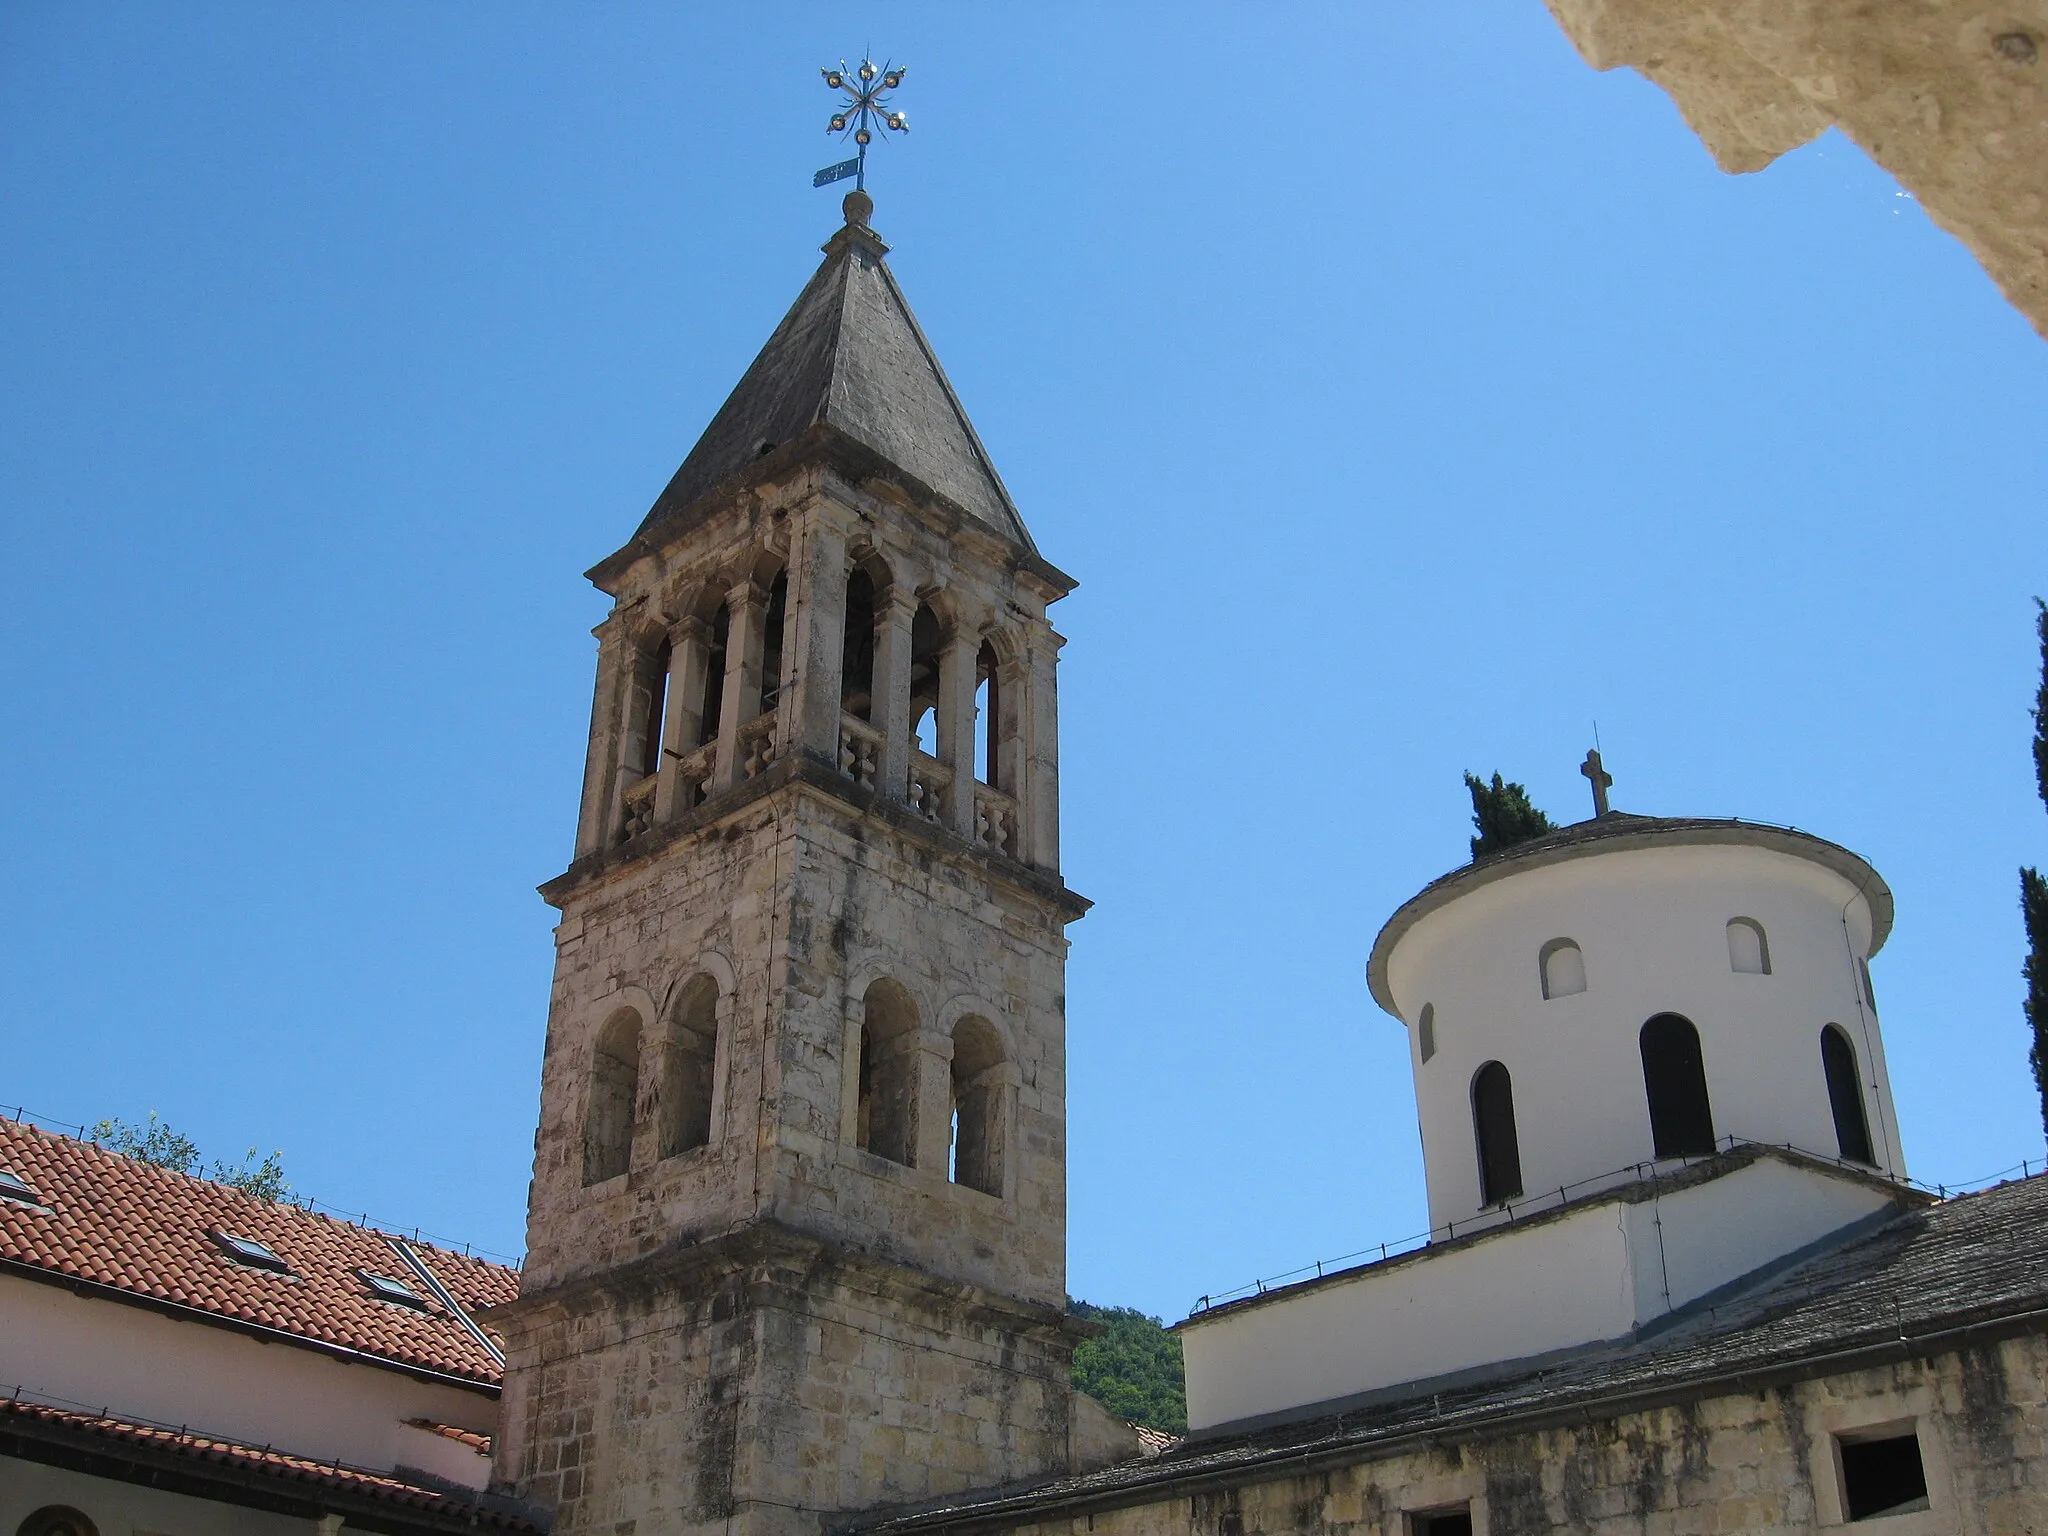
(859, 113)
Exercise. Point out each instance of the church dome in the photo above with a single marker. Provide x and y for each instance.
(1633, 990)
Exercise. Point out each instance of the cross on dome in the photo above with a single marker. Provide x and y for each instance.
(1600, 778)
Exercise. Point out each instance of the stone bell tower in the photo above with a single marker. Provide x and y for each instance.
(797, 1230)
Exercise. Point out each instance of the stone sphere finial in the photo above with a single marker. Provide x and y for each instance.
(858, 207)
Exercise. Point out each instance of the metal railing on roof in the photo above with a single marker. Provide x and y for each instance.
(24, 1116)
(1509, 1212)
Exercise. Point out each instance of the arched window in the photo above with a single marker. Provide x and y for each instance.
(1749, 952)
(714, 677)
(1425, 1031)
(1845, 1095)
(857, 657)
(689, 1061)
(57, 1520)
(608, 1111)
(1675, 1081)
(988, 706)
(650, 703)
(771, 641)
(927, 646)
(886, 1121)
(978, 1095)
(1563, 968)
(1493, 1128)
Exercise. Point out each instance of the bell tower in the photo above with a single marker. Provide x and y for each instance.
(797, 1228)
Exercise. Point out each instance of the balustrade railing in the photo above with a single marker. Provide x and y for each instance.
(693, 775)
(995, 819)
(860, 750)
(930, 783)
(757, 745)
(639, 803)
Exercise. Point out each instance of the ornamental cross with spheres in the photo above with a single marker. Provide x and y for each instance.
(858, 114)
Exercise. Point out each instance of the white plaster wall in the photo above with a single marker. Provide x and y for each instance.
(126, 1509)
(1520, 1293)
(1595, 1274)
(141, 1364)
(1652, 924)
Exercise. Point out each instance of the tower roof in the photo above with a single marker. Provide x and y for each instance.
(849, 354)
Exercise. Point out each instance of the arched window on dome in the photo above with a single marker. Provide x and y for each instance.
(1493, 1129)
(1425, 1031)
(1562, 967)
(1845, 1095)
(1749, 952)
(1675, 1082)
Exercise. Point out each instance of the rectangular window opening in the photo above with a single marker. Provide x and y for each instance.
(1453, 1521)
(1882, 1476)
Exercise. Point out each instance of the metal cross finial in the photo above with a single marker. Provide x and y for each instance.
(1601, 779)
(858, 114)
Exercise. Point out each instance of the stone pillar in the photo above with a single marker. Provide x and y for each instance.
(598, 819)
(956, 725)
(746, 607)
(1040, 844)
(814, 644)
(689, 644)
(933, 1058)
(891, 712)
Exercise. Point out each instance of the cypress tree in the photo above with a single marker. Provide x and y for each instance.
(2034, 890)
(1502, 816)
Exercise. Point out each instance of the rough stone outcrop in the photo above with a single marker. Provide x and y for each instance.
(1950, 96)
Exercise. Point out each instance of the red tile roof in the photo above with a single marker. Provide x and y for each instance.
(247, 1466)
(108, 1220)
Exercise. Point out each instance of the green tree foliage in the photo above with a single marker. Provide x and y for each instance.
(2034, 890)
(157, 1144)
(1502, 816)
(1133, 1368)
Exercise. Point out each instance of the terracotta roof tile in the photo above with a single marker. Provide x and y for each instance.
(28, 1417)
(114, 1221)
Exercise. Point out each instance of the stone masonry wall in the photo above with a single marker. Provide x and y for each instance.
(1758, 1461)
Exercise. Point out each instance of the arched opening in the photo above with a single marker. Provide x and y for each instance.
(857, 658)
(1561, 967)
(1749, 951)
(690, 1059)
(714, 677)
(886, 1119)
(653, 701)
(927, 646)
(978, 1094)
(772, 624)
(987, 716)
(57, 1520)
(1845, 1096)
(1675, 1082)
(1425, 1031)
(608, 1110)
(1493, 1129)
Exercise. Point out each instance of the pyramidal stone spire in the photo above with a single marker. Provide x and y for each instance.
(850, 358)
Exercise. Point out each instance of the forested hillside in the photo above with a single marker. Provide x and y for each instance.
(1133, 1367)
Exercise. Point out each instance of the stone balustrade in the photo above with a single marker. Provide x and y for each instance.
(931, 782)
(995, 819)
(860, 750)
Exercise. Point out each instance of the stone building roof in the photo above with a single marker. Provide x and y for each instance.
(1970, 1269)
(204, 1466)
(849, 354)
(104, 1224)
(1616, 832)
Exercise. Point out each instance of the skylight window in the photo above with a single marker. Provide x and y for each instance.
(251, 1252)
(13, 1187)
(384, 1288)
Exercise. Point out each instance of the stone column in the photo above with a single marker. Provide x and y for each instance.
(956, 725)
(891, 711)
(933, 1058)
(1040, 789)
(746, 607)
(598, 819)
(815, 641)
(689, 644)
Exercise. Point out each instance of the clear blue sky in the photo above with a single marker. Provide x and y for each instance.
(1405, 395)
